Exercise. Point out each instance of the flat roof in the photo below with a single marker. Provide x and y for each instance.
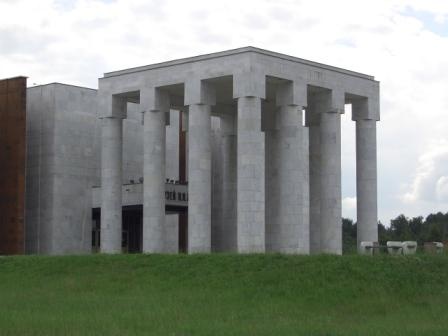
(235, 52)
(64, 84)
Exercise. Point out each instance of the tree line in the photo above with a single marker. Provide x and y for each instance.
(432, 228)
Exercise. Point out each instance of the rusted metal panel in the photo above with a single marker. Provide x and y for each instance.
(12, 164)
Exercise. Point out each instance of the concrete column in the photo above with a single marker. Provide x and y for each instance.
(229, 184)
(216, 213)
(304, 241)
(330, 173)
(290, 179)
(155, 103)
(199, 179)
(199, 95)
(286, 215)
(365, 112)
(154, 142)
(366, 180)
(272, 189)
(250, 177)
(111, 182)
(249, 88)
(313, 123)
(288, 230)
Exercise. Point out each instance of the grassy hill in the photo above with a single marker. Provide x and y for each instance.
(224, 295)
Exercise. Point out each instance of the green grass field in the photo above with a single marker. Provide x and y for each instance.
(224, 295)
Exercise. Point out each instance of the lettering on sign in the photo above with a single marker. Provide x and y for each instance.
(315, 76)
(172, 195)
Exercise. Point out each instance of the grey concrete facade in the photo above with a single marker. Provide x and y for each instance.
(61, 168)
(259, 180)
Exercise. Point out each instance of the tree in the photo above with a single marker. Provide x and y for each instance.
(349, 233)
(383, 234)
(399, 228)
(433, 228)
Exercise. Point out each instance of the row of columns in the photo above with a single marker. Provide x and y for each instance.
(324, 122)
(247, 181)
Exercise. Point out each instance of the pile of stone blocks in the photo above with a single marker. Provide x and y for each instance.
(433, 247)
(399, 247)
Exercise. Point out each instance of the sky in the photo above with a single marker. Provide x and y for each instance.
(403, 43)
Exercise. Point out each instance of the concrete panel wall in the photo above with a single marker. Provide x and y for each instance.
(12, 164)
(171, 244)
(40, 165)
(75, 117)
(61, 170)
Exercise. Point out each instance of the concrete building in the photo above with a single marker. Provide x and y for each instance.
(237, 151)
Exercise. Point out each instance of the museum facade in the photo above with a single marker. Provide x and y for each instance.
(236, 151)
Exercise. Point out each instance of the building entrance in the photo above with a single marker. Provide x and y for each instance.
(132, 229)
(132, 236)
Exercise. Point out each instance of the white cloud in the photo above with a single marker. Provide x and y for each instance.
(349, 207)
(431, 181)
(442, 188)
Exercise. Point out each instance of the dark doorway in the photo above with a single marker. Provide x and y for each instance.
(132, 229)
(96, 230)
(183, 232)
(132, 232)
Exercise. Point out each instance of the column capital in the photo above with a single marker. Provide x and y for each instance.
(327, 101)
(154, 100)
(199, 92)
(111, 106)
(249, 84)
(336, 101)
(291, 93)
(365, 109)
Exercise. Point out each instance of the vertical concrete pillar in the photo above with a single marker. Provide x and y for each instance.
(249, 88)
(304, 242)
(290, 177)
(330, 173)
(271, 187)
(250, 177)
(199, 96)
(216, 213)
(313, 123)
(229, 183)
(155, 103)
(111, 175)
(366, 172)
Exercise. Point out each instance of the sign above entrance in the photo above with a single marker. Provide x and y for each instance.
(175, 195)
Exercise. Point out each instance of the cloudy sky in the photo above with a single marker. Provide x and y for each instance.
(403, 43)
